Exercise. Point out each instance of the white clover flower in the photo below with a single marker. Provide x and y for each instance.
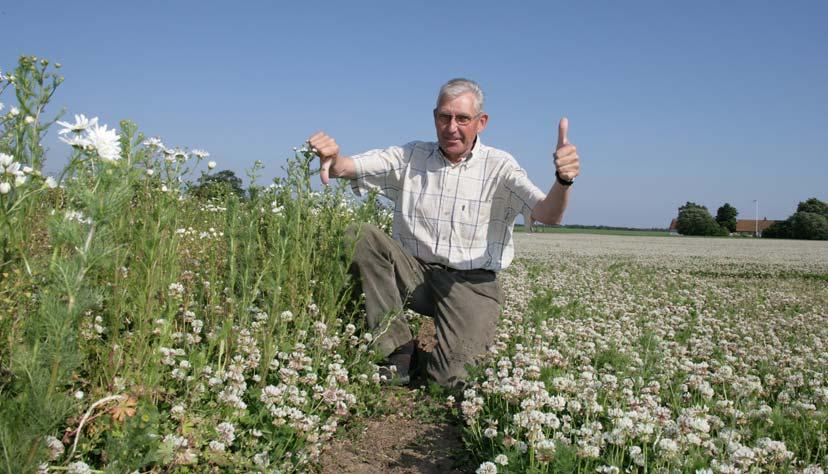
(226, 432)
(29, 119)
(78, 467)
(81, 125)
(669, 446)
(261, 459)
(5, 188)
(210, 164)
(501, 459)
(487, 468)
(20, 180)
(55, 447)
(286, 316)
(79, 395)
(217, 446)
(105, 142)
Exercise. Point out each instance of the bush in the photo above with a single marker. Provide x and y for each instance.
(694, 219)
(809, 222)
(809, 226)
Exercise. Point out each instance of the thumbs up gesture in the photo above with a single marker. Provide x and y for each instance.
(567, 163)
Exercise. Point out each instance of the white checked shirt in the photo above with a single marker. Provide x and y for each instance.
(458, 215)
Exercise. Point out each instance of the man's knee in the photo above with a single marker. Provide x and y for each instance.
(363, 239)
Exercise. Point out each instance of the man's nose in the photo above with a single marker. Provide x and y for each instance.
(453, 125)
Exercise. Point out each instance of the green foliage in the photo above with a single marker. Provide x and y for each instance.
(779, 230)
(34, 83)
(809, 226)
(694, 219)
(813, 205)
(122, 289)
(809, 222)
(726, 217)
(218, 185)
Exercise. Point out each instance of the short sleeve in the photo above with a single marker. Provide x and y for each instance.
(381, 170)
(523, 194)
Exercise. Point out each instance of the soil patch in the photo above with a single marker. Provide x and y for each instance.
(414, 435)
(411, 438)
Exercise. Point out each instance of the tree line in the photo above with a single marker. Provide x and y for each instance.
(810, 221)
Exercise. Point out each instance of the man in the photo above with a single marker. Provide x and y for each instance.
(455, 204)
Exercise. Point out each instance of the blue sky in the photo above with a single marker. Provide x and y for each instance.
(704, 101)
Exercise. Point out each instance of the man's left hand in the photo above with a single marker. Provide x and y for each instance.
(567, 163)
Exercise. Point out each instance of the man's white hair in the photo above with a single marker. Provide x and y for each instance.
(459, 86)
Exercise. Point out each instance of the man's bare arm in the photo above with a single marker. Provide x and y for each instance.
(331, 162)
(551, 209)
(567, 165)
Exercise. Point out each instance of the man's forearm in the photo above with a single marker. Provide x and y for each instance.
(343, 167)
(551, 209)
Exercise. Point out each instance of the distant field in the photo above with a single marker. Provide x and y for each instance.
(571, 230)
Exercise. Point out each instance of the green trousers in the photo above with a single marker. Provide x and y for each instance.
(465, 304)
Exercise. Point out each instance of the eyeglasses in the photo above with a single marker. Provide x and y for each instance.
(461, 119)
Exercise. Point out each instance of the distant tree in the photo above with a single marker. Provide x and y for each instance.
(810, 222)
(218, 185)
(726, 217)
(809, 226)
(815, 206)
(694, 219)
(691, 205)
(778, 230)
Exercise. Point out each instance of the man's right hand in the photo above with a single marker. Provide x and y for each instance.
(327, 150)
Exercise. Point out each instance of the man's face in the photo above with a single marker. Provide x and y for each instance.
(458, 123)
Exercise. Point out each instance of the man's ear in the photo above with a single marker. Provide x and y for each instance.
(481, 124)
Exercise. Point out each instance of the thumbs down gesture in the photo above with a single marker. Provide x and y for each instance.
(567, 162)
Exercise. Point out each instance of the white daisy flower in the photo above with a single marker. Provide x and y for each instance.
(76, 141)
(51, 183)
(5, 159)
(154, 142)
(200, 154)
(81, 124)
(105, 142)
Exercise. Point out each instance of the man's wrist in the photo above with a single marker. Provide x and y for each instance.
(561, 181)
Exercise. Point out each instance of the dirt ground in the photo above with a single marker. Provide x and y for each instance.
(414, 436)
